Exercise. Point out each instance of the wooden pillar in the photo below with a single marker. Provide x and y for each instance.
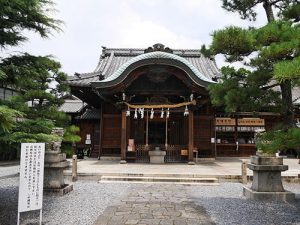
(147, 129)
(191, 137)
(123, 138)
(166, 139)
(101, 132)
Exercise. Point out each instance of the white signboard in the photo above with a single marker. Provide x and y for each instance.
(31, 176)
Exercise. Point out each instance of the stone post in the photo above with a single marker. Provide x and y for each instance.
(55, 162)
(244, 172)
(74, 168)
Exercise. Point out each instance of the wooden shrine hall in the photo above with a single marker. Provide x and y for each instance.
(142, 99)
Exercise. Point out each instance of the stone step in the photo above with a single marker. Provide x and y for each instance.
(185, 180)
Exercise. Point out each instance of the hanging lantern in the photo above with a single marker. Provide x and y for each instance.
(186, 111)
(142, 112)
(162, 113)
(128, 112)
(123, 96)
(168, 113)
(151, 114)
(135, 114)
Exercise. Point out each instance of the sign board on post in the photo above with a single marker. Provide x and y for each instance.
(224, 121)
(31, 178)
(251, 122)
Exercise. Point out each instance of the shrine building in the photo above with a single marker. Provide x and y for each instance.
(142, 99)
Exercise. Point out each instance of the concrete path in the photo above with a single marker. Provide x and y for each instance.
(220, 167)
(155, 205)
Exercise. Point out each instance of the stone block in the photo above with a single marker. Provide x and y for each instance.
(267, 167)
(266, 160)
(269, 196)
(59, 191)
(267, 181)
(53, 157)
(157, 157)
(62, 164)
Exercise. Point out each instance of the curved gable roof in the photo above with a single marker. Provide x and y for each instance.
(156, 57)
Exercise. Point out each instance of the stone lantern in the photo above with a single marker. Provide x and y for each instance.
(55, 163)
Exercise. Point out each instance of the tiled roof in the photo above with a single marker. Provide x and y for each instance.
(72, 106)
(112, 59)
(159, 55)
(90, 114)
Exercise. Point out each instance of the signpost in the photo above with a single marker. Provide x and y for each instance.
(31, 178)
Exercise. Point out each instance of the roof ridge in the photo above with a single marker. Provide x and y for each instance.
(82, 78)
(143, 49)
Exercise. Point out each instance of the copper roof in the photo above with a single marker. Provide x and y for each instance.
(112, 59)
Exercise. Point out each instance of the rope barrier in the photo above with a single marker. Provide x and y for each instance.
(170, 106)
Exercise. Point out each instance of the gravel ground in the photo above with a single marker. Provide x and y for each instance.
(81, 206)
(6, 171)
(226, 205)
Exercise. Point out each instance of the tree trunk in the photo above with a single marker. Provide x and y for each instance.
(287, 104)
(269, 11)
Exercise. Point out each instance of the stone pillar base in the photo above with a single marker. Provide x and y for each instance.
(59, 191)
(271, 196)
(157, 157)
(191, 163)
(123, 162)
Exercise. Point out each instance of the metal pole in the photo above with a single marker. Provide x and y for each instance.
(41, 213)
(18, 223)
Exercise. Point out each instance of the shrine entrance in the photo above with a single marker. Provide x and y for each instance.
(169, 134)
(157, 133)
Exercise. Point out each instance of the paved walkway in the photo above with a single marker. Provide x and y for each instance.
(219, 167)
(155, 205)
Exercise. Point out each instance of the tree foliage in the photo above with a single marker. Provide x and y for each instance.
(41, 82)
(272, 141)
(19, 15)
(246, 8)
(38, 79)
(270, 56)
(8, 118)
(240, 90)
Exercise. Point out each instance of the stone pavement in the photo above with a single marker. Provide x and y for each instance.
(155, 205)
(221, 167)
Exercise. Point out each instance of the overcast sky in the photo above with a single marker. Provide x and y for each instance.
(90, 24)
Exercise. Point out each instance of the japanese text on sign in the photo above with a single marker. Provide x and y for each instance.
(31, 176)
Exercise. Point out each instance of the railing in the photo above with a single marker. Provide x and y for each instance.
(142, 154)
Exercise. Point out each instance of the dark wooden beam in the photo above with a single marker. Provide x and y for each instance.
(123, 137)
(105, 99)
(101, 132)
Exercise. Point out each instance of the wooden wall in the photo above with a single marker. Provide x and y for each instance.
(111, 135)
(203, 132)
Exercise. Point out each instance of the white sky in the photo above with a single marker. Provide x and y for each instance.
(90, 24)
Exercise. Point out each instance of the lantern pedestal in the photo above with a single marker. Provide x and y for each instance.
(267, 184)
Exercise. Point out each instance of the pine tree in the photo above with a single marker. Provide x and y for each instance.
(38, 79)
(271, 59)
(271, 54)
